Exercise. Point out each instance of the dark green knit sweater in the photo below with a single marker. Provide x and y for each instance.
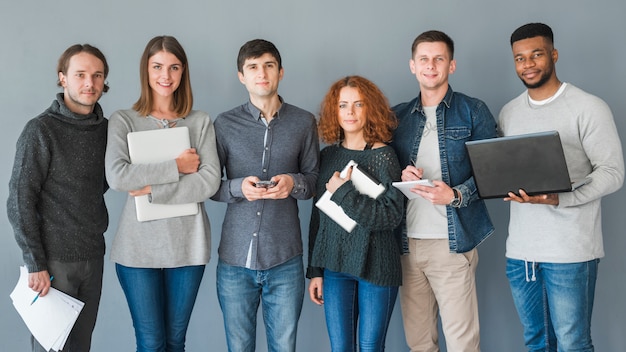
(371, 251)
(56, 204)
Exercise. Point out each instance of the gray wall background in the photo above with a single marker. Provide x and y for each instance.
(320, 41)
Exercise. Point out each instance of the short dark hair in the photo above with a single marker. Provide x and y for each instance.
(64, 60)
(431, 37)
(532, 30)
(257, 48)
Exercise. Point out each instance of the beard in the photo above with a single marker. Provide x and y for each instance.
(545, 77)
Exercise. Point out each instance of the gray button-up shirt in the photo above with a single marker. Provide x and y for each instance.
(264, 233)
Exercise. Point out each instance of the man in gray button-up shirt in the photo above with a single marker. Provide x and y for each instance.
(260, 250)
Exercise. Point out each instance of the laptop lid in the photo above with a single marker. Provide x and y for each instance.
(532, 162)
(155, 146)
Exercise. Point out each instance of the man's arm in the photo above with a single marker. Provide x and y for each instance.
(484, 127)
(30, 169)
(602, 146)
(304, 181)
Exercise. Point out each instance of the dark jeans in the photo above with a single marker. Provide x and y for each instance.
(81, 280)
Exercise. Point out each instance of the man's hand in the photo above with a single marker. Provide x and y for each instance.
(549, 199)
(282, 189)
(411, 173)
(316, 287)
(440, 194)
(188, 161)
(39, 282)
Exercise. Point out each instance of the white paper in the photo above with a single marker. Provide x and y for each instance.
(406, 186)
(51, 318)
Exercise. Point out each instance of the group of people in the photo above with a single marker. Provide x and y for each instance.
(263, 156)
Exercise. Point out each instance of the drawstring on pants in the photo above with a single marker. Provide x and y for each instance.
(532, 264)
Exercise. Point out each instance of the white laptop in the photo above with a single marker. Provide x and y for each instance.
(155, 146)
(363, 182)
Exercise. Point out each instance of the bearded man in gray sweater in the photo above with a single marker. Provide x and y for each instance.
(555, 240)
(56, 203)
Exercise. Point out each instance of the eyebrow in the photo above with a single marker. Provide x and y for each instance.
(162, 64)
(533, 51)
(261, 63)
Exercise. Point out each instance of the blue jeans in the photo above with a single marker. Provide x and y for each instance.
(554, 302)
(350, 302)
(281, 291)
(160, 303)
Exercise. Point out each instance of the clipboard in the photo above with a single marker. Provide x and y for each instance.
(363, 182)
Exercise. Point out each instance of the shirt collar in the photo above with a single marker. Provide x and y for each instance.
(446, 100)
(256, 113)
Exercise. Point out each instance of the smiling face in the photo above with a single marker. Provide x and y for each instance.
(431, 65)
(83, 83)
(261, 76)
(351, 111)
(535, 59)
(165, 71)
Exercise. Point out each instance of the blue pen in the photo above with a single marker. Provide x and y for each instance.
(36, 297)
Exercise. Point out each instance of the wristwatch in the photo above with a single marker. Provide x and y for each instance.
(456, 201)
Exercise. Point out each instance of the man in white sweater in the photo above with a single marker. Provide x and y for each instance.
(555, 240)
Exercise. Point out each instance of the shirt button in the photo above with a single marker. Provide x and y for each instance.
(258, 213)
(264, 170)
(254, 234)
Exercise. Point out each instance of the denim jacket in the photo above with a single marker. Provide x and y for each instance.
(459, 119)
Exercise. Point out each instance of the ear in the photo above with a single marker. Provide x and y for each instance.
(241, 78)
(555, 56)
(412, 66)
(452, 66)
(280, 74)
(62, 79)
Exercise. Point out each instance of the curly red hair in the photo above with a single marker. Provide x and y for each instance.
(380, 119)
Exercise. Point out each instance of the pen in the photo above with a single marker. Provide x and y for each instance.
(36, 297)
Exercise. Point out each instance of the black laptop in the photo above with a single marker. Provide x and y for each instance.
(533, 162)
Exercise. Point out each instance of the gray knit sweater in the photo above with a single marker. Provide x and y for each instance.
(56, 204)
(163, 243)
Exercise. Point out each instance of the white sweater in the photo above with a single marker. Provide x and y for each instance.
(572, 231)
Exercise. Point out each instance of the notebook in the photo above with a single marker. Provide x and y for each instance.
(363, 182)
(405, 187)
(533, 162)
(155, 146)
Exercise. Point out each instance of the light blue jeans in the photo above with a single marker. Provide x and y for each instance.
(160, 303)
(280, 290)
(350, 302)
(554, 302)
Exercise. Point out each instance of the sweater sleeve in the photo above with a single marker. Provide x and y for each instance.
(30, 167)
(198, 186)
(120, 173)
(383, 213)
(602, 146)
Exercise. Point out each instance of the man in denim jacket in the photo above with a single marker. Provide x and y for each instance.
(446, 222)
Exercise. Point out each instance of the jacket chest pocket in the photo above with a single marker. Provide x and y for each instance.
(455, 142)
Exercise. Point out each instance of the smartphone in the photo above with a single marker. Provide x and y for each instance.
(265, 184)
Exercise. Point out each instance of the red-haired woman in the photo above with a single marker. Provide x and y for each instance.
(356, 274)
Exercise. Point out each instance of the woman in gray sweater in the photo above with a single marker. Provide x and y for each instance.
(356, 274)
(160, 263)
